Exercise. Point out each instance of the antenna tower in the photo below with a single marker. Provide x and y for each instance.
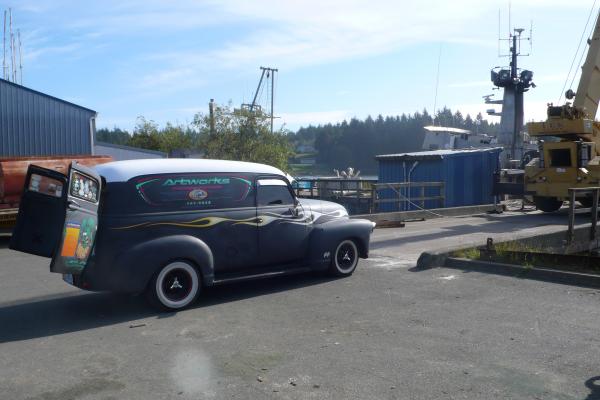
(12, 69)
(514, 82)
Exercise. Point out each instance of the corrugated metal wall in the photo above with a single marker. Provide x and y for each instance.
(32, 123)
(468, 177)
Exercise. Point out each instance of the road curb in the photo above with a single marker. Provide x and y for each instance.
(534, 272)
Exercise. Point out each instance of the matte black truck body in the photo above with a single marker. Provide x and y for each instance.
(228, 220)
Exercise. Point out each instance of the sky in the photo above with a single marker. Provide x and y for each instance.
(336, 60)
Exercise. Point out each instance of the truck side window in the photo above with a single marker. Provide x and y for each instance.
(180, 192)
(271, 192)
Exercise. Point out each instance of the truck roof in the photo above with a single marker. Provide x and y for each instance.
(122, 171)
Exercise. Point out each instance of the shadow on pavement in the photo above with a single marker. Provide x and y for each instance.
(53, 315)
(594, 385)
(498, 224)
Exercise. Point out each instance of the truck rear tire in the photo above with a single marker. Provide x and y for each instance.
(547, 204)
(174, 287)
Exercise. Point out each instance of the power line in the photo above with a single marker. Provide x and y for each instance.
(575, 55)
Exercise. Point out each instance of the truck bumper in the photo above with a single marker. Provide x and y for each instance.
(8, 218)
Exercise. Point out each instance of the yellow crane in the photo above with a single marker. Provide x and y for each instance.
(569, 140)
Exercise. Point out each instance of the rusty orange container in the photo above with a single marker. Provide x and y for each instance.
(13, 172)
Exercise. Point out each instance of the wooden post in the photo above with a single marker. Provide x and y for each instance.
(373, 205)
(595, 195)
(571, 215)
(400, 200)
(358, 188)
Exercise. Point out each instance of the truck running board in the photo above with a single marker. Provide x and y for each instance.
(230, 278)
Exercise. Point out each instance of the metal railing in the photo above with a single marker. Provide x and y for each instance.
(403, 191)
(367, 192)
(354, 194)
(330, 188)
(575, 193)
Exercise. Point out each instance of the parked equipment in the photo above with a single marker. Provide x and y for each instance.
(569, 150)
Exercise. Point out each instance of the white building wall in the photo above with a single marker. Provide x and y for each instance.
(120, 153)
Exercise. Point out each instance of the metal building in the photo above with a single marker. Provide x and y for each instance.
(36, 124)
(119, 152)
(468, 176)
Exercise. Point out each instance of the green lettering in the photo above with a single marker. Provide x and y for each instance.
(215, 180)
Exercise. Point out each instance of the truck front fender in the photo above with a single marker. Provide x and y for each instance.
(325, 237)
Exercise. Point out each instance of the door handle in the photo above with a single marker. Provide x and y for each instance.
(73, 205)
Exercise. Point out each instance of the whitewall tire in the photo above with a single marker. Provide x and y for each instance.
(175, 286)
(345, 258)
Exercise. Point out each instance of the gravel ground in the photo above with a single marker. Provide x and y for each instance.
(387, 332)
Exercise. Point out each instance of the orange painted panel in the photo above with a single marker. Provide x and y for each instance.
(70, 242)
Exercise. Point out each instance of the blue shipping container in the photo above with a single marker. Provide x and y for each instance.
(467, 174)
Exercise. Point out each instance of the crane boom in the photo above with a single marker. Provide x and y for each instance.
(588, 90)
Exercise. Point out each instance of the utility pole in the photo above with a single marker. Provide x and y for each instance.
(272, 95)
(267, 73)
(20, 58)
(211, 116)
(4, 49)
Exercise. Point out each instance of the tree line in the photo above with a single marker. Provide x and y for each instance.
(239, 134)
(356, 142)
(229, 134)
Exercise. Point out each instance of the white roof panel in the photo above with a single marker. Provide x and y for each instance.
(433, 128)
(437, 153)
(122, 171)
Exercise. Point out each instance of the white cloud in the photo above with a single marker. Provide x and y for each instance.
(286, 34)
(34, 54)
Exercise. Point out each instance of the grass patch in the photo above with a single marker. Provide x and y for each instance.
(471, 253)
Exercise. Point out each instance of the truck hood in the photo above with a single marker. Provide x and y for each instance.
(323, 211)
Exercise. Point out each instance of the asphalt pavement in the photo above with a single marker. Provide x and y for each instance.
(388, 332)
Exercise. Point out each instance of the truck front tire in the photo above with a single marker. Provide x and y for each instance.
(345, 259)
(547, 204)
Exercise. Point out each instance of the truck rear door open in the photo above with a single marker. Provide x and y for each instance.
(58, 216)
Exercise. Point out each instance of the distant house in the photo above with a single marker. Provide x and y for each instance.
(305, 148)
(446, 138)
(304, 159)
